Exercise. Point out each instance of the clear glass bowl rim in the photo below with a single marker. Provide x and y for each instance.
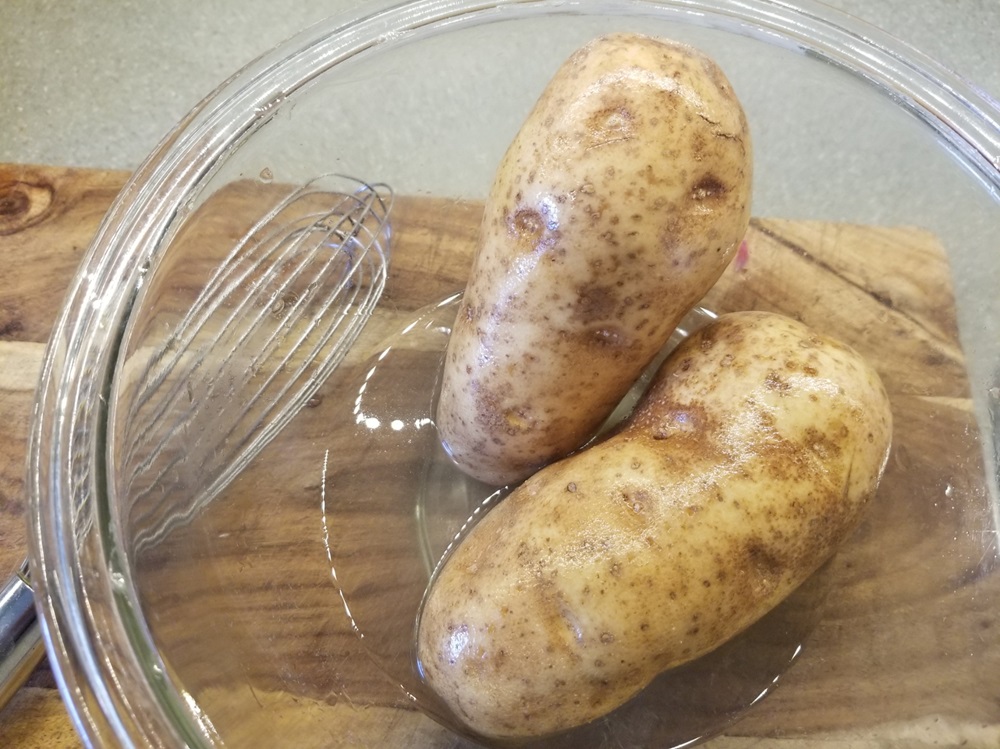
(102, 676)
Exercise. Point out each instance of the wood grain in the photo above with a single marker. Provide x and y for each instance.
(902, 649)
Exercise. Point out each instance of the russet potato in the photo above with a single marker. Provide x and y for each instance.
(745, 465)
(617, 206)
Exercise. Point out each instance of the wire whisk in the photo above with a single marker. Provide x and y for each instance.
(274, 319)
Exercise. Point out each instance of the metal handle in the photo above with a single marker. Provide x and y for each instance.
(21, 646)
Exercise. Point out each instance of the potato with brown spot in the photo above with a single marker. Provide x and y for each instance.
(744, 466)
(617, 206)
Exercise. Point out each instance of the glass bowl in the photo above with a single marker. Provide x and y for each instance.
(231, 544)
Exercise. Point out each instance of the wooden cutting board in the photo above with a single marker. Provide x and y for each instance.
(909, 644)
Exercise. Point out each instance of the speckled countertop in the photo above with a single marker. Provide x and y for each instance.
(94, 83)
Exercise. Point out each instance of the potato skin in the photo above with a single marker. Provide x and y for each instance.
(745, 465)
(617, 206)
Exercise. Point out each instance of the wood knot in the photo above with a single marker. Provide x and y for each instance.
(23, 204)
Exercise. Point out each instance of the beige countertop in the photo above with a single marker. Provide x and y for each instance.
(92, 83)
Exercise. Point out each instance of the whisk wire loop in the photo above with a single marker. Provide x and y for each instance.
(274, 318)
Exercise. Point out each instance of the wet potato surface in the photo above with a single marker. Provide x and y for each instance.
(746, 464)
(620, 202)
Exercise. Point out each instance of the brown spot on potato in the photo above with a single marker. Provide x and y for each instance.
(517, 420)
(594, 302)
(709, 187)
(611, 124)
(758, 559)
(636, 500)
(678, 488)
(775, 382)
(526, 228)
